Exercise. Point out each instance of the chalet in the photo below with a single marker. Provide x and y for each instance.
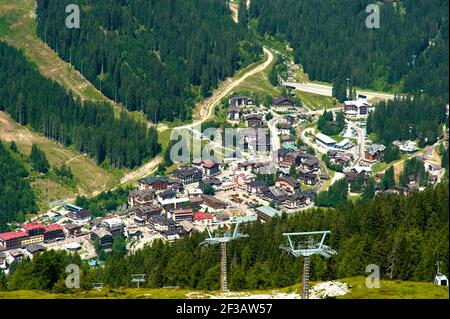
(289, 184)
(299, 200)
(155, 183)
(281, 103)
(277, 195)
(342, 159)
(241, 101)
(288, 119)
(141, 197)
(267, 169)
(308, 178)
(310, 164)
(188, 174)
(213, 202)
(173, 234)
(204, 219)
(195, 202)
(104, 238)
(16, 255)
(78, 214)
(254, 121)
(257, 187)
(285, 128)
(72, 230)
(214, 182)
(234, 113)
(167, 194)
(211, 168)
(356, 109)
(115, 226)
(286, 158)
(145, 212)
(161, 223)
(182, 214)
(374, 152)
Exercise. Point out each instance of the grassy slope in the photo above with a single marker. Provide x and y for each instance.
(89, 177)
(358, 290)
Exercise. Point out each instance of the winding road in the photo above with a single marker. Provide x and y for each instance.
(206, 111)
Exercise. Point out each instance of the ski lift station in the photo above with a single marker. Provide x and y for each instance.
(441, 280)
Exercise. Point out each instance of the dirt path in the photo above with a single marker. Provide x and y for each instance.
(142, 171)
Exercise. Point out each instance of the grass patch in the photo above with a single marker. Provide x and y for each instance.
(382, 166)
(315, 101)
(394, 290)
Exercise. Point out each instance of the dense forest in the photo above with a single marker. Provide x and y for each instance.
(34, 100)
(408, 53)
(329, 125)
(405, 236)
(16, 195)
(157, 56)
(413, 118)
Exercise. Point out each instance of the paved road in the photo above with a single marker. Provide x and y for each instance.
(326, 90)
(361, 142)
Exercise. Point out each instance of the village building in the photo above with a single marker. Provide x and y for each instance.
(325, 141)
(287, 158)
(308, 178)
(285, 128)
(144, 213)
(310, 164)
(356, 109)
(115, 226)
(203, 219)
(104, 238)
(374, 152)
(281, 104)
(213, 202)
(77, 214)
(141, 197)
(288, 183)
(188, 174)
(34, 249)
(254, 121)
(214, 182)
(241, 101)
(211, 168)
(266, 213)
(234, 113)
(257, 187)
(72, 230)
(181, 214)
(12, 240)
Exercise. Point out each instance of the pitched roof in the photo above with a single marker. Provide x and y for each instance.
(12, 235)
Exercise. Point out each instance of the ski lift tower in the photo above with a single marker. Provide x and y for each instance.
(222, 239)
(138, 278)
(306, 248)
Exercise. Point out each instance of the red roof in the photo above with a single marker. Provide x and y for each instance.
(200, 215)
(32, 226)
(12, 235)
(53, 227)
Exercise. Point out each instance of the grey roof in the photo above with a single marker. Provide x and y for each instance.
(34, 248)
(269, 211)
